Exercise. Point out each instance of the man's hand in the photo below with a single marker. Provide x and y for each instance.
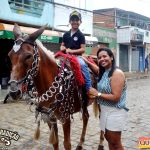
(68, 50)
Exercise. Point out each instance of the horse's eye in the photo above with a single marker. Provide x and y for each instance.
(28, 57)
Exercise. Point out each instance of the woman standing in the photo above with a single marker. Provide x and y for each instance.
(111, 96)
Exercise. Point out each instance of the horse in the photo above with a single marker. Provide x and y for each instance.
(59, 96)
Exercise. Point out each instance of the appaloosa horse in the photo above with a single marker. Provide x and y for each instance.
(58, 92)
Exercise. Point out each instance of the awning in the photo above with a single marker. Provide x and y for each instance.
(6, 31)
(91, 39)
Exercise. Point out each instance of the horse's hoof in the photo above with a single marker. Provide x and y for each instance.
(4, 102)
(100, 147)
(79, 147)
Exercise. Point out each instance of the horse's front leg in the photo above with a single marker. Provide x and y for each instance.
(53, 139)
(85, 117)
(66, 130)
(101, 142)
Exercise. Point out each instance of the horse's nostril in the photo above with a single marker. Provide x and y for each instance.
(13, 86)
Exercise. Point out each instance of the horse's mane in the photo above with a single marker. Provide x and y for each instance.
(49, 53)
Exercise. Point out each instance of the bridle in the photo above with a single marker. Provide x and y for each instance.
(31, 73)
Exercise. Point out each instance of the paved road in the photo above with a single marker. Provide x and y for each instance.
(17, 117)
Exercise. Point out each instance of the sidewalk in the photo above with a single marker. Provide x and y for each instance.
(136, 75)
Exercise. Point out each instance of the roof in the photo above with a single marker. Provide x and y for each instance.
(119, 10)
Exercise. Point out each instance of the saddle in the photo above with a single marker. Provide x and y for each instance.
(71, 62)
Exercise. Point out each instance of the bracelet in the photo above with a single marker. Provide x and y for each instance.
(99, 94)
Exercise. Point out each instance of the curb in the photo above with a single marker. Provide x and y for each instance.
(137, 77)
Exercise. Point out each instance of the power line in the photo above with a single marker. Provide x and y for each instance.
(54, 3)
(100, 13)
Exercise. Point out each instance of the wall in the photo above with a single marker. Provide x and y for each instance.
(105, 17)
(105, 35)
(123, 35)
(126, 34)
(46, 16)
(54, 15)
(61, 22)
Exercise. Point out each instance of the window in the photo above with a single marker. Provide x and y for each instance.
(28, 7)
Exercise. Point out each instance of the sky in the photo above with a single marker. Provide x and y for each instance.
(138, 6)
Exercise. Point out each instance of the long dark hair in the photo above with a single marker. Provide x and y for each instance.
(102, 69)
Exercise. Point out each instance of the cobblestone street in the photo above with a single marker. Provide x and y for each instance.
(15, 116)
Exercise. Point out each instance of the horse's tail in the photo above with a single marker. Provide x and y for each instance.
(37, 132)
(96, 109)
(53, 134)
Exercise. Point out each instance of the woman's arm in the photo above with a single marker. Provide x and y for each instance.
(117, 84)
(92, 66)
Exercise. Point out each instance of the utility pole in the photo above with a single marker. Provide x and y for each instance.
(85, 4)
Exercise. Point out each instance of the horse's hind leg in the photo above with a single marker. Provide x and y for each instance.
(66, 129)
(85, 117)
(53, 139)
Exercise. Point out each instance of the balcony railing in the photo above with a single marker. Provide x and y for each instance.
(137, 36)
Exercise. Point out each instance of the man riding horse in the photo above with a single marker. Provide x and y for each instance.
(73, 42)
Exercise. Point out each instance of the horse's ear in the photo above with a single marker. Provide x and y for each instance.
(17, 31)
(32, 37)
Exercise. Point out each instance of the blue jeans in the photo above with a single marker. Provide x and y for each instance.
(85, 72)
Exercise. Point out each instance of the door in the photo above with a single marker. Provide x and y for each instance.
(141, 58)
(135, 59)
(123, 57)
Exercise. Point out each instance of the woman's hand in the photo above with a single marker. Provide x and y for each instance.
(92, 93)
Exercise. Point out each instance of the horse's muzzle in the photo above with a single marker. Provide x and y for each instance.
(14, 90)
(15, 95)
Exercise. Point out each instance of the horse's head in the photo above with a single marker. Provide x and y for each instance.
(24, 59)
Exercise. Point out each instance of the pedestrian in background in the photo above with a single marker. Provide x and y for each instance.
(111, 96)
(73, 42)
(147, 63)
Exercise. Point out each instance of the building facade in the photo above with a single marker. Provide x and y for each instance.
(132, 38)
(106, 38)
